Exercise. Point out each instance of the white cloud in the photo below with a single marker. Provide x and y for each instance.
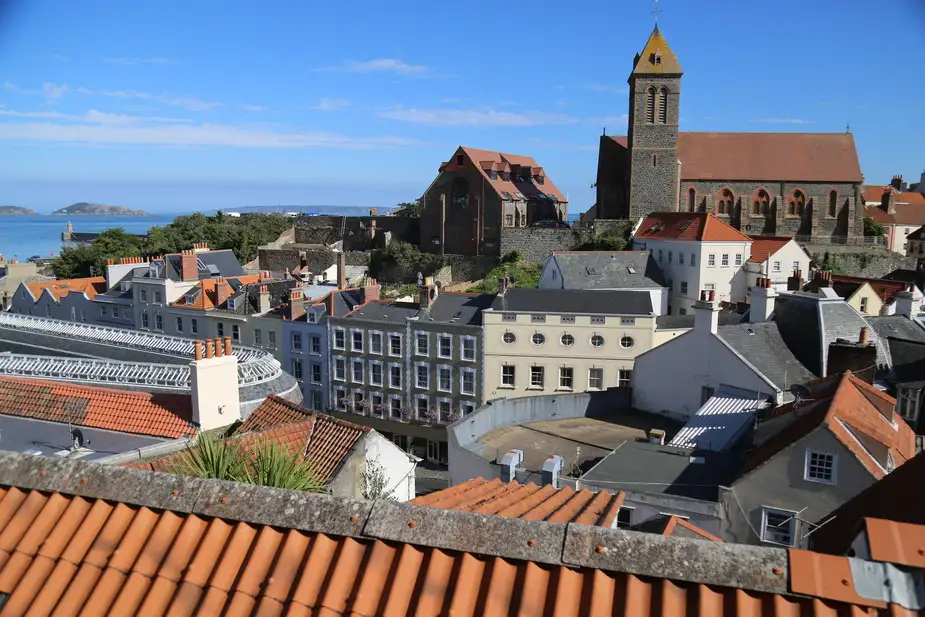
(135, 61)
(97, 128)
(475, 117)
(381, 65)
(782, 121)
(187, 103)
(53, 92)
(11, 87)
(252, 107)
(607, 88)
(330, 104)
(31, 114)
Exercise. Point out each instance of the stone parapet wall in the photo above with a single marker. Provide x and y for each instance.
(860, 261)
(316, 259)
(536, 244)
(359, 233)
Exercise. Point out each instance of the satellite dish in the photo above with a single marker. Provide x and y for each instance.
(800, 392)
(77, 438)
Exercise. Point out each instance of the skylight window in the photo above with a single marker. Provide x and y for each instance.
(631, 269)
(684, 225)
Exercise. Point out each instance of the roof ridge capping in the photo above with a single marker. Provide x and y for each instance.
(737, 566)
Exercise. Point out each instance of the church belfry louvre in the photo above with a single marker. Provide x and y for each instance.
(785, 184)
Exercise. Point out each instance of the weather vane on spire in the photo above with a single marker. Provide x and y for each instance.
(656, 12)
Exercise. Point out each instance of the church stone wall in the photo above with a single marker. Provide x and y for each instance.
(817, 222)
(653, 149)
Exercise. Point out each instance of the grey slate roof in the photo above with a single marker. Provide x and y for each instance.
(809, 323)
(599, 302)
(222, 262)
(652, 468)
(762, 345)
(392, 312)
(609, 270)
(908, 362)
(897, 326)
(459, 308)
(668, 322)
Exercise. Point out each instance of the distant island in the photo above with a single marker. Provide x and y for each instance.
(98, 209)
(15, 211)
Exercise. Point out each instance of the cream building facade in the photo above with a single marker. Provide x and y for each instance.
(544, 341)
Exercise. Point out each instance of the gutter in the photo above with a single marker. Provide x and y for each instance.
(156, 450)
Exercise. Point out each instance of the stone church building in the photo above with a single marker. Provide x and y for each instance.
(793, 184)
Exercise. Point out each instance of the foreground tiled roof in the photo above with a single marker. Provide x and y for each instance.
(324, 441)
(898, 497)
(89, 539)
(767, 157)
(60, 288)
(765, 246)
(857, 414)
(140, 413)
(528, 501)
(691, 226)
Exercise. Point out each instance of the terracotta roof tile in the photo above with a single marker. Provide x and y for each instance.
(140, 413)
(692, 226)
(324, 441)
(60, 288)
(528, 501)
(124, 559)
(501, 160)
(905, 214)
(767, 157)
(873, 194)
(854, 412)
(765, 246)
(885, 290)
(210, 289)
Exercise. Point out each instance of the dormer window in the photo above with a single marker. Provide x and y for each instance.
(459, 159)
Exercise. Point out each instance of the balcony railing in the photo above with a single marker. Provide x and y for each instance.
(254, 366)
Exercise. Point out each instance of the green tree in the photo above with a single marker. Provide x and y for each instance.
(75, 262)
(615, 238)
(90, 260)
(409, 209)
(522, 273)
(400, 262)
(873, 228)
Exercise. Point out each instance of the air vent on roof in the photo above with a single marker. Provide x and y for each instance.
(750, 331)
(631, 269)
(213, 269)
(456, 316)
(591, 270)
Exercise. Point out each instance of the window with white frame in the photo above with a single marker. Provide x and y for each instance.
(421, 407)
(724, 261)
(394, 344)
(395, 408)
(466, 408)
(356, 340)
(340, 369)
(144, 295)
(421, 376)
(907, 403)
(375, 373)
(443, 408)
(315, 344)
(778, 526)
(467, 381)
(297, 368)
(375, 343)
(467, 352)
(340, 399)
(144, 319)
(316, 399)
(258, 336)
(624, 377)
(359, 401)
(444, 346)
(339, 338)
(180, 328)
(711, 260)
(271, 336)
(376, 406)
(680, 259)
(316, 372)
(863, 305)
(158, 321)
(508, 374)
(220, 328)
(709, 286)
(157, 297)
(297, 341)
(421, 343)
(821, 467)
(536, 377)
(683, 287)
(796, 266)
(395, 376)
(693, 259)
(104, 311)
(444, 378)
(566, 377)
(775, 267)
(596, 379)
(669, 256)
(357, 372)
(311, 317)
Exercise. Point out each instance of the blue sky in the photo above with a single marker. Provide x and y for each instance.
(173, 105)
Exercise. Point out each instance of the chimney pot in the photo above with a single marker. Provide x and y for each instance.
(209, 349)
(227, 345)
(712, 296)
(218, 347)
(197, 350)
(703, 295)
(863, 338)
(341, 270)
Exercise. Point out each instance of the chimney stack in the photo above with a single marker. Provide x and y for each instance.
(428, 293)
(657, 435)
(189, 266)
(509, 463)
(264, 298)
(897, 182)
(223, 291)
(888, 201)
(214, 385)
(296, 303)
(341, 270)
(762, 299)
(552, 468)
(795, 282)
(372, 290)
(909, 302)
(706, 313)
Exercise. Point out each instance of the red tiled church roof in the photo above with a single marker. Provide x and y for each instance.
(139, 413)
(691, 226)
(767, 157)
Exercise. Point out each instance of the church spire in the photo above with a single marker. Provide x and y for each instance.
(656, 57)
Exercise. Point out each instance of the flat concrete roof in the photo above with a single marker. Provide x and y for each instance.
(596, 438)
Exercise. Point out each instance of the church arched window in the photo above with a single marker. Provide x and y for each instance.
(833, 203)
(726, 202)
(762, 201)
(691, 199)
(650, 105)
(663, 105)
(797, 204)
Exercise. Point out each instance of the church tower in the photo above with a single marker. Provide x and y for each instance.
(655, 96)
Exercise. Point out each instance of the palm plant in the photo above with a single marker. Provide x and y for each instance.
(213, 457)
(278, 468)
